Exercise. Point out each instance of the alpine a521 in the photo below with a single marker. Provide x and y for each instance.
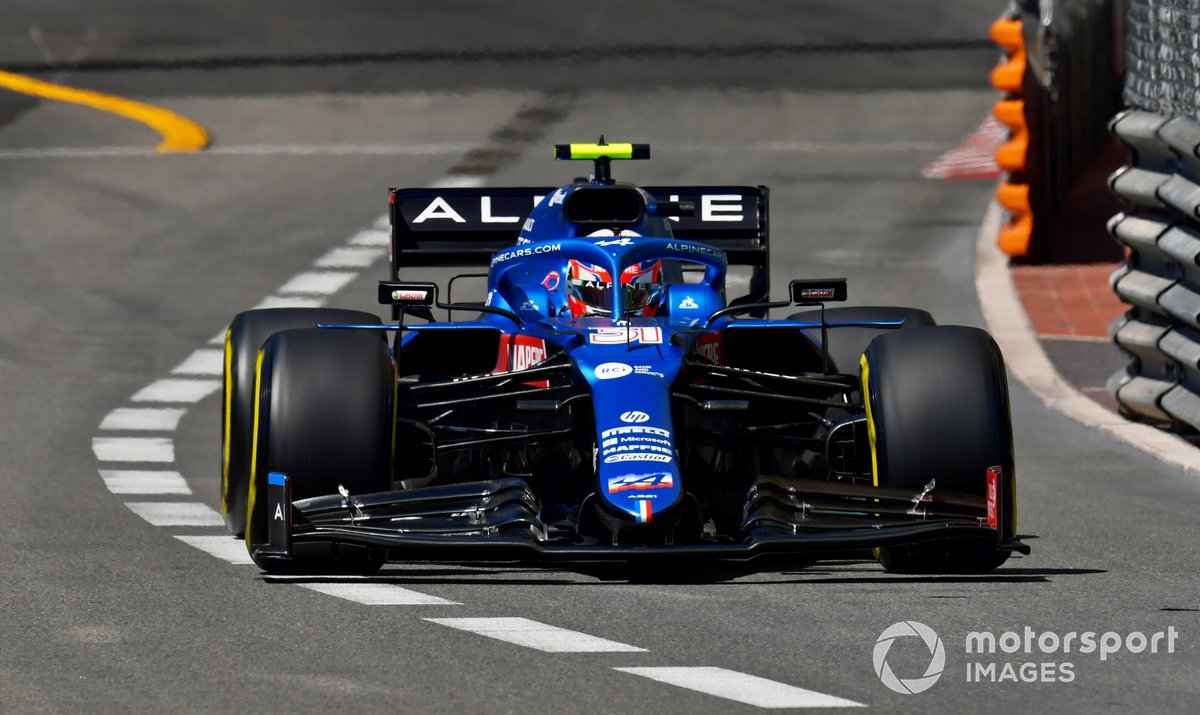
(608, 400)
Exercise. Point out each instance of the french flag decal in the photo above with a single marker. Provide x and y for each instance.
(644, 510)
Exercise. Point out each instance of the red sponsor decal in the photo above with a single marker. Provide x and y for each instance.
(550, 282)
(709, 346)
(527, 352)
(518, 352)
(993, 491)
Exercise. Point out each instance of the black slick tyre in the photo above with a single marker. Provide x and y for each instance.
(245, 335)
(937, 405)
(324, 418)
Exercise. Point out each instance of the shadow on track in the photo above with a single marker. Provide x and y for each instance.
(850, 573)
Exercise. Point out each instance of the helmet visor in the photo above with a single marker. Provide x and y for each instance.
(596, 295)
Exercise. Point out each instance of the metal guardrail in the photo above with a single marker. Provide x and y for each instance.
(1161, 277)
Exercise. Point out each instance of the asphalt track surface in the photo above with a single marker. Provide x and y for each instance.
(114, 269)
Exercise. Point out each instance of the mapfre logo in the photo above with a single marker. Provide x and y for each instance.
(526, 355)
(909, 629)
(634, 417)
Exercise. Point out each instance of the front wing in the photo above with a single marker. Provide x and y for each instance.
(498, 520)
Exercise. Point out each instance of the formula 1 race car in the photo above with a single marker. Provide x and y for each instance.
(605, 401)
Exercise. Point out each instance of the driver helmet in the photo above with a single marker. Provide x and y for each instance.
(589, 288)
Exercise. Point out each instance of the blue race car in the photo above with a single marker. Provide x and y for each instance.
(607, 400)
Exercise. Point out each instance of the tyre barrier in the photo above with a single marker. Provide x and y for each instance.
(1160, 280)
(1161, 57)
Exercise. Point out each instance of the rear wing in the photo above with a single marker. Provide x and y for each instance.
(464, 227)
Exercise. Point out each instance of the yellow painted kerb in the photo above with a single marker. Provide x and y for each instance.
(179, 134)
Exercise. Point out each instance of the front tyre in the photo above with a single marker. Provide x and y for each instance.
(324, 418)
(245, 335)
(937, 407)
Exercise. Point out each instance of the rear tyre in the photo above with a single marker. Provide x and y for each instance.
(324, 416)
(846, 345)
(245, 335)
(937, 405)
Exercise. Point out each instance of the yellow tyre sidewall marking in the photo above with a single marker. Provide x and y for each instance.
(866, 392)
(179, 134)
(253, 491)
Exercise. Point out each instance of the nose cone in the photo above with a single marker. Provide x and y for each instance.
(636, 463)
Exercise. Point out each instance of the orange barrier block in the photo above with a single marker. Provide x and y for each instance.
(1011, 155)
(1007, 77)
(1014, 197)
(1014, 236)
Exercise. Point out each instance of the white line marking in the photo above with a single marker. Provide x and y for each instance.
(531, 634)
(218, 339)
(740, 687)
(320, 283)
(1008, 324)
(224, 547)
(350, 257)
(383, 223)
(378, 594)
(131, 481)
(176, 513)
(373, 237)
(204, 361)
(133, 449)
(132, 152)
(288, 301)
(78, 152)
(164, 419)
(171, 390)
(458, 181)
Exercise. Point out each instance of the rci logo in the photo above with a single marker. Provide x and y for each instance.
(611, 370)
(937, 661)
(635, 417)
